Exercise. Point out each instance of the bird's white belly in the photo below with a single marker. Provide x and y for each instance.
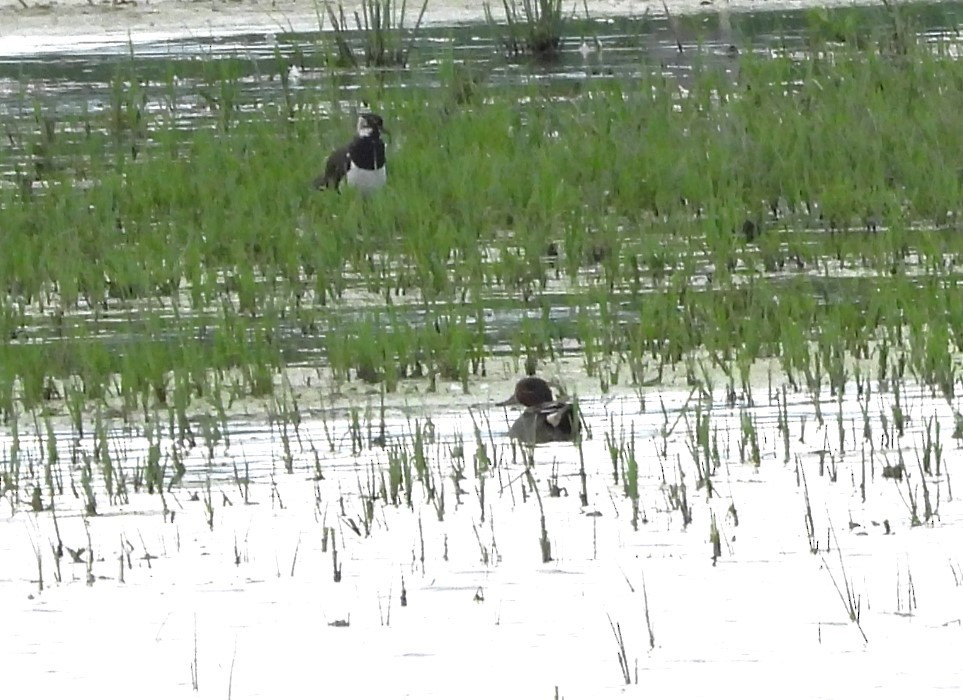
(366, 180)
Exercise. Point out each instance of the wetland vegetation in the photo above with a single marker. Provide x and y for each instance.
(752, 252)
(711, 220)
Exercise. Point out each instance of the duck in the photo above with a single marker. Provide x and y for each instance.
(544, 419)
(360, 163)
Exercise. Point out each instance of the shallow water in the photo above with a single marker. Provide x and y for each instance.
(250, 600)
(76, 76)
(258, 593)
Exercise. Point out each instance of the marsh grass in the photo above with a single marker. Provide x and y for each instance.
(910, 593)
(381, 27)
(849, 597)
(204, 239)
(544, 544)
(195, 668)
(336, 566)
(534, 28)
(621, 653)
(678, 497)
(630, 478)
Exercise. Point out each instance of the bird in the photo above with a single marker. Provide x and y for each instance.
(587, 49)
(544, 419)
(360, 163)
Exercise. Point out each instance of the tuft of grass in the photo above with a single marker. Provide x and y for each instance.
(544, 543)
(380, 24)
(533, 28)
(850, 599)
(621, 653)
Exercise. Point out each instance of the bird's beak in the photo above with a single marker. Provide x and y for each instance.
(510, 401)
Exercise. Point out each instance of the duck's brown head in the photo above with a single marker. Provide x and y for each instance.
(530, 391)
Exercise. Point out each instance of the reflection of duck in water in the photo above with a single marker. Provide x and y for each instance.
(544, 419)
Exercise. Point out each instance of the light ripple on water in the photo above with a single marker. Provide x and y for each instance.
(768, 602)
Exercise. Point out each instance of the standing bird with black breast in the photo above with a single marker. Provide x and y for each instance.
(360, 163)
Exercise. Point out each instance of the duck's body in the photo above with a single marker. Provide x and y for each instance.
(360, 163)
(544, 419)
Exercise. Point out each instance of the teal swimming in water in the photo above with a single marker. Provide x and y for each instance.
(544, 419)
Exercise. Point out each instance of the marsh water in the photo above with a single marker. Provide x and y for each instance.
(61, 83)
(338, 540)
(78, 77)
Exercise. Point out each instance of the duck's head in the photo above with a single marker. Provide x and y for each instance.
(530, 391)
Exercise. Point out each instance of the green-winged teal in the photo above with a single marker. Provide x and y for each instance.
(544, 419)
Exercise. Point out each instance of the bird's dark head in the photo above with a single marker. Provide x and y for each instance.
(370, 124)
(530, 391)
